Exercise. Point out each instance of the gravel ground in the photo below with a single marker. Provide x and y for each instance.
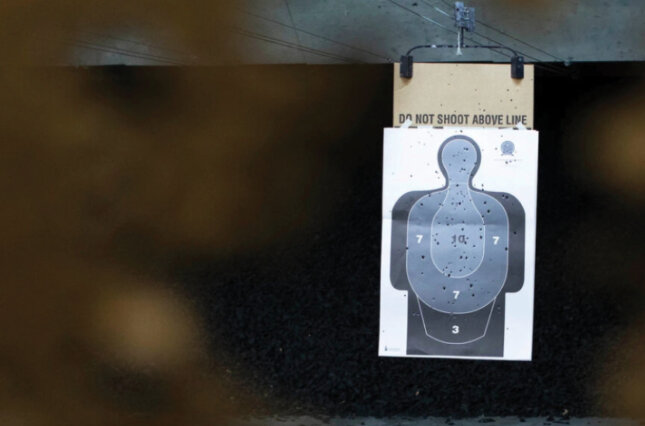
(432, 421)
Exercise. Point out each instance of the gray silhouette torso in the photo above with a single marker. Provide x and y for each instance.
(457, 256)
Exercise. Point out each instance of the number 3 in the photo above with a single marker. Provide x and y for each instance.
(455, 329)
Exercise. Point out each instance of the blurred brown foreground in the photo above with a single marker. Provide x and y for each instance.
(100, 187)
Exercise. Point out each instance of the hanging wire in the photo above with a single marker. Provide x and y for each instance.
(167, 60)
(299, 46)
(523, 42)
(494, 49)
(120, 50)
(440, 25)
(475, 32)
(140, 43)
(504, 33)
(537, 60)
(273, 40)
(301, 30)
(453, 46)
(124, 52)
(293, 24)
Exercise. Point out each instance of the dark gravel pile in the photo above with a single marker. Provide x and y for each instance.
(297, 323)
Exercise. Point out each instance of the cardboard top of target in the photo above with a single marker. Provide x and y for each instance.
(464, 95)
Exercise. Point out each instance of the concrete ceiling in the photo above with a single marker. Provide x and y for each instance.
(379, 31)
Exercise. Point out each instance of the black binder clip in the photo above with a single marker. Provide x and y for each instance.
(517, 67)
(407, 62)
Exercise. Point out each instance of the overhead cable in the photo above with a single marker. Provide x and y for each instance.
(491, 27)
(300, 29)
(273, 40)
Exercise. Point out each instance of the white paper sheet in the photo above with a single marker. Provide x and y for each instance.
(458, 243)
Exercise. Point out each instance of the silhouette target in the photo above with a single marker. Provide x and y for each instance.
(457, 250)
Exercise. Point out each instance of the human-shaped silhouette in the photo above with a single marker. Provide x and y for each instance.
(459, 250)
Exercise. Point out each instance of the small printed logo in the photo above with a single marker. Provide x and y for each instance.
(508, 148)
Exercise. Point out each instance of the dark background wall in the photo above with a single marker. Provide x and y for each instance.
(297, 321)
